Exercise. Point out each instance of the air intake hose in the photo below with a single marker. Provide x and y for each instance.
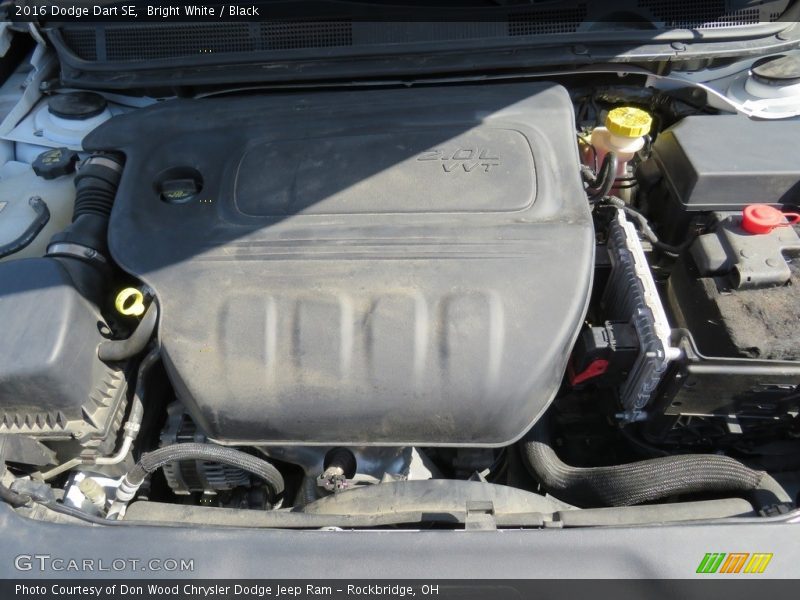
(95, 189)
(644, 481)
(82, 248)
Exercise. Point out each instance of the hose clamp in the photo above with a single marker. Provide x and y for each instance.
(103, 161)
(76, 251)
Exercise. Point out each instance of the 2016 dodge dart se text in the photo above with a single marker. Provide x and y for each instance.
(388, 290)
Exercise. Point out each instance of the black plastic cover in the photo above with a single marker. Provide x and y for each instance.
(376, 267)
(725, 162)
(52, 385)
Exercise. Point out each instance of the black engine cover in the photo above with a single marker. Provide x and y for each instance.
(377, 267)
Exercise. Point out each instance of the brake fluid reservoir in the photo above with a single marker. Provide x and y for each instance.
(623, 134)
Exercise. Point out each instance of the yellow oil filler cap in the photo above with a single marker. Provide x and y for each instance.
(130, 302)
(630, 122)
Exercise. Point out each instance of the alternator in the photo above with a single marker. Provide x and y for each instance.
(190, 476)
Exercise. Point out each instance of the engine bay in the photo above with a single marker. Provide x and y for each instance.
(550, 296)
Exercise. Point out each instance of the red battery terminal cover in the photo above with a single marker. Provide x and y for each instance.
(763, 218)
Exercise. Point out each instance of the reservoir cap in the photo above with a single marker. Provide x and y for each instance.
(628, 121)
(55, 163)
(76, 106)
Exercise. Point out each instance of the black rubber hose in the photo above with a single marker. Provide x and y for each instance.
(35, 228)
(95, 189)
(151, 461)
(116, 350)
(137, 404)
(605, 178)
(644, 481)
(96, 186)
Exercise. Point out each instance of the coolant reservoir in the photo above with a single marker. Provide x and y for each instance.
(623, 134)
